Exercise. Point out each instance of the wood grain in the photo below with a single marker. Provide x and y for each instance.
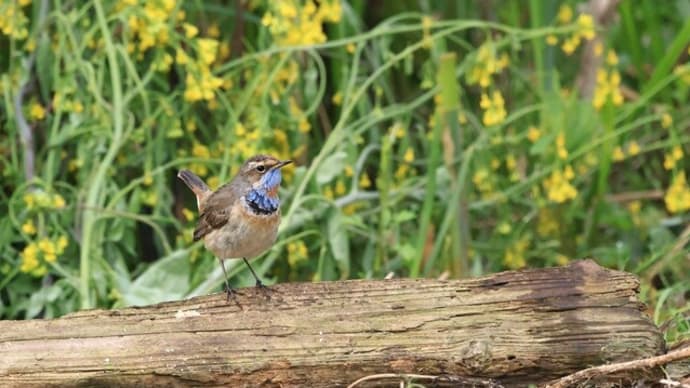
(512, 327)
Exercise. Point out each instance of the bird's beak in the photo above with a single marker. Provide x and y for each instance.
(282, 164)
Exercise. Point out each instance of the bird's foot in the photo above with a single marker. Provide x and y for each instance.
(265, 289)
(232, 294)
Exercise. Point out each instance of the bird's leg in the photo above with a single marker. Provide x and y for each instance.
(229, 290)
(258, 281)
(259, 284)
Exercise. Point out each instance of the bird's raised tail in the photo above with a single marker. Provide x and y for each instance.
(200, 189)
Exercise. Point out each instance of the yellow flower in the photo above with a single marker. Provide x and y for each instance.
(677, 196)
(350, 48)
(533, 134)
(58, 201)
(486, 64)
(213, 182)
(565, 14)
(267, 20)
(62, 243)
(337, 99)
(409, 155)
(208, 48)
(586, 24)
(462, 118)
(633, 148)
(168, 5)
(666, 120)
(297, 252)
(240, 130)
(74, 164)
(494, 110)
(49, 249)
(339, 188)
(36, 111)
(29, 227)
(181, 56)
(13, 21)
(669, 162)
(612, 58)
(201, 151)
(618, 154)
(29, 258)
(190, 30)
(287, 9)
(401, 172)
(479, 176)
(547, 222)
(607, 87)
(677, 153)
(551, 40)
(683, 72)
(514, 256)
(364, 181)
(352, 208)
(213, 30)
(568, 173)
(672, 157)
(504, 227)
(558, 187)
(569, 45)
(634, 207)
(397, 130)
(187, 214)
(163, 63)
(561, 150)
(562, 259)
(331, 10)
(190, 125)
(149, 197)
(303, 126)
(296, 23)
(328, 193)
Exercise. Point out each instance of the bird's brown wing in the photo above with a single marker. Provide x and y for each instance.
(216, 211)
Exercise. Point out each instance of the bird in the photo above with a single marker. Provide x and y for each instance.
(241, 218)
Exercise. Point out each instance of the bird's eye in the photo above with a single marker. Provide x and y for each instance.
(261, 168)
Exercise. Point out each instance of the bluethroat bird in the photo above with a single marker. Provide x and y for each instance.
(241, 218)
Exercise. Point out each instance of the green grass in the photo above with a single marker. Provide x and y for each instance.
(407, 159)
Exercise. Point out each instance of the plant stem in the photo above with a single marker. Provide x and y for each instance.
(94, 198)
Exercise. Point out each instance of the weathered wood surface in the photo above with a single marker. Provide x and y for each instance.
(512, 327)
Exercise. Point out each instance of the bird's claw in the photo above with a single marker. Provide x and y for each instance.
(232, 293)
(265, 289)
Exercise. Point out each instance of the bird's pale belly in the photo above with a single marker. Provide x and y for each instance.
(245, 235)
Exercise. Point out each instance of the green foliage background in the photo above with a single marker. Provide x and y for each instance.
(429, 137)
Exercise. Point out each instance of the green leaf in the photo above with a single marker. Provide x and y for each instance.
(407, 252)
(331, 167)
(338, 240)
(167, 279)
(404, 215)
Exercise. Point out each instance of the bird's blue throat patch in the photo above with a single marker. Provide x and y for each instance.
(264, 199)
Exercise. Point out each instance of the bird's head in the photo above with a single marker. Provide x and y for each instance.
(263, 173)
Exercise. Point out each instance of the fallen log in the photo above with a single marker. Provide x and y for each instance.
(509, 329)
